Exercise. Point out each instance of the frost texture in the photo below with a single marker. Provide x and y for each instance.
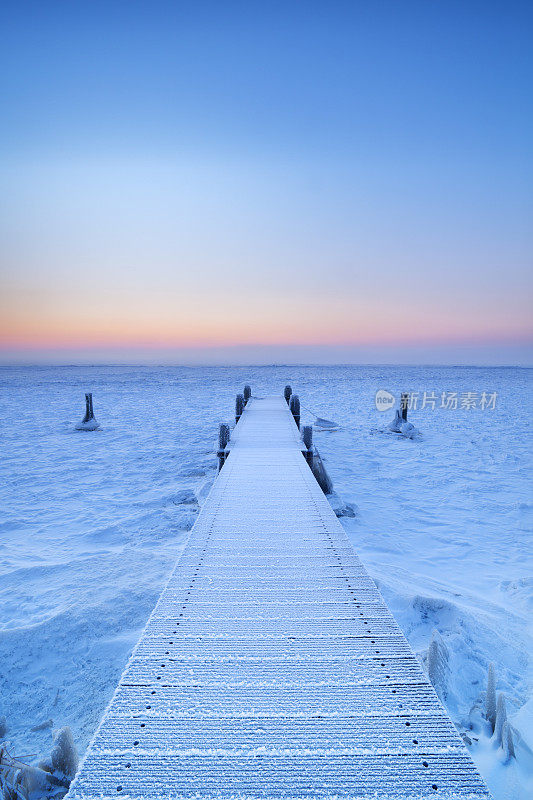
(320, 473)
(438, 666)
(507, 741)
(407, 429)
(501, 718)
(3, 727)
(64, 755)
(341, 508)
(397, 422)
(490, 701)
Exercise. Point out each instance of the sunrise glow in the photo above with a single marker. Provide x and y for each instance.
(205, 184)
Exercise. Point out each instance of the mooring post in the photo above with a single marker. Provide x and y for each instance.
(88, 423)
(247, 393)
(295, 409)
(287, 394)
(404, 403)
(320, 473)
(223, 439)
(89, 413)
(239, 407)
(307, 436)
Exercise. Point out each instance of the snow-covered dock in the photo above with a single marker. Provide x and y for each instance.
(271, 666)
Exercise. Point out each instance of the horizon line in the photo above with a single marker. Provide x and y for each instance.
(273, 365)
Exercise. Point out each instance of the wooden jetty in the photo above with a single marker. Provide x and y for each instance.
(271, 666)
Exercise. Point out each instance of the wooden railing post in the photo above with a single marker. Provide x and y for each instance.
(247, 393)
(287, 394)
(295, 409)
(239, 407)
(223, 439)
(307, 436)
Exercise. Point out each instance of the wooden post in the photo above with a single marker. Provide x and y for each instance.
(287, 394)
(239, 407)
(223, 439)
(404, 402)
(89, 413)
(88, 423)
(247, 393)
(307, 436)
(295, 409)
(319, 471)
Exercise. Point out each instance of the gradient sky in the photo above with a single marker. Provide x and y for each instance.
(263, 181)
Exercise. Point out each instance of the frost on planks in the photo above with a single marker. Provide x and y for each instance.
(271, 666)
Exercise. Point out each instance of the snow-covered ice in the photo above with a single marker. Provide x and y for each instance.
(92, 524)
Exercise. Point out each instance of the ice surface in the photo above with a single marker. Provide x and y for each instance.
(90, 530)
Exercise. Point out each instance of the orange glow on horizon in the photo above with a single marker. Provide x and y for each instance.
(237, 319)
(195, 339)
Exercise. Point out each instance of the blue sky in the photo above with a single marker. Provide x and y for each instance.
(228, 181)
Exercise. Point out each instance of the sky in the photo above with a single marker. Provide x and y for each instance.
(259, 182)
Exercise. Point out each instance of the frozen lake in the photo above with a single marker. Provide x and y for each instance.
(92, 524)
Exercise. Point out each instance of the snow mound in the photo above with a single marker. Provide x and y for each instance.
(64, 755)
(341, 508)
(438, 665)
(325, 424)
(406, 429)
(90, 425)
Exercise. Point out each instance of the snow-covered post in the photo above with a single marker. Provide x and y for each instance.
(295, 409)
(438, 666)
(223, 439)
(507, 742)
(319, 471)
(239, 407)
(501, 718)
(88, 423)
(287, 394)
(490, 700)
(247, 393)
(307, 436)
(404, 403)
(89, 413)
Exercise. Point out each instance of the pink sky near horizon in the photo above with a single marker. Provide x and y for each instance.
(230, 195)
(155, 324)
(223, 264)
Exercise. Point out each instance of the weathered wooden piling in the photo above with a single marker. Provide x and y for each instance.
(312, 456)
(307, 436)
(223, 439)
(404, 404)
(88, 423)
(247, 393)
(287, 394)
(239, 407)
(319, 471)
(295, 409)
(89, 413)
